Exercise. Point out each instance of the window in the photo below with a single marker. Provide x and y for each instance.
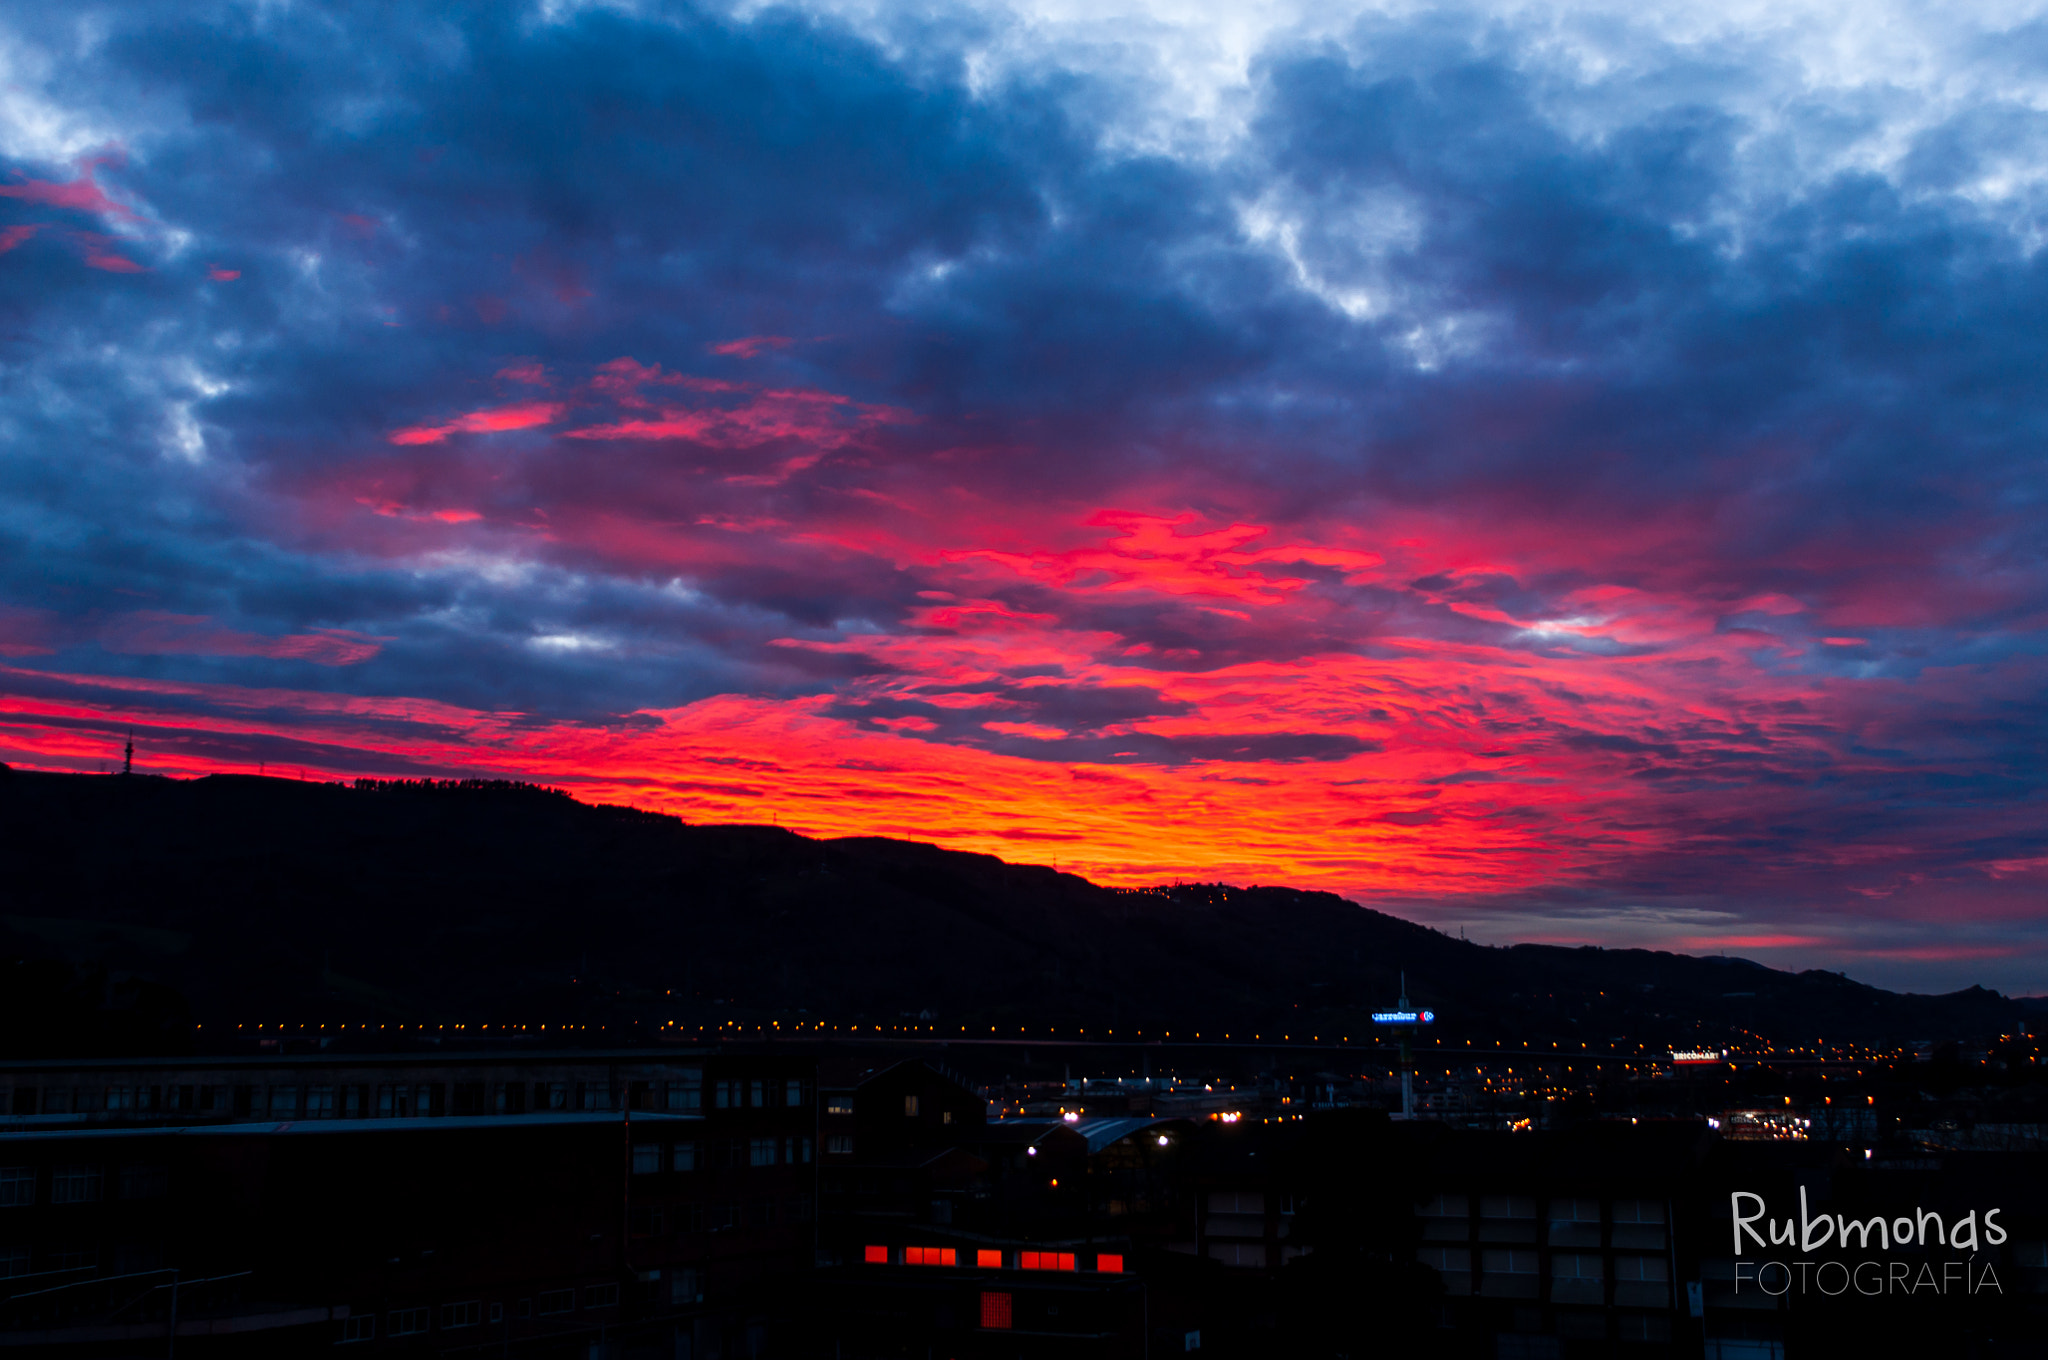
(761, 1152)
(686, 1095)
(144, 1182)
(597, 1096)
(120, 1098)
(1446, 1260)
(1577, 1277)
(839, 1144)
(209, 1098)
(13, 1261)
(759, 1096)
(929, 1256)
(75, 1185)
(1574, 1223)
(760, 1213)
(945, 1116)
(995, 1311)
(72, 1258)
(910, 1107)
(644, 1222)
(646, 1158)
(17, 1186)
(551, 1095)
(394, 1102)
(1638, 1211)
(1646, 1268)
(408, 1321)
(556, 1301)
(839, 1105)
(876, 1256)
(284, 1102)
(497, 1312)
(988, 1260)
(1642, 1327)
(358, 1329)
(1045, 1260)
(729, 1095)
(1507, 1206)
(686, 1286)
(793, 1092)
(319, 1102)
(799, 1151)
(1508, 1273)
(601, 1296)
(1110, 1265)
(468, 1097)
(470, 1314)
(683, 1157)
(799, 1209)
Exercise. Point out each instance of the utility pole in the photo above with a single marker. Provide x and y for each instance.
(1407, 1058)
(128, 754)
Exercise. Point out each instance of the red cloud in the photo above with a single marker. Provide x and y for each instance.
(493, 420)
(78, 195)
(14, 236)
(99, 253)
(219, 275)
(749, 347)
(150, 633)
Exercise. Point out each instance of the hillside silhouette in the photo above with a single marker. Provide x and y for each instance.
(463, 902)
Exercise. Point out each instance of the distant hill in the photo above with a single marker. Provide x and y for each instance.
(274, 900)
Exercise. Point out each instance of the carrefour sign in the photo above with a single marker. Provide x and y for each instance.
(1404, 1017)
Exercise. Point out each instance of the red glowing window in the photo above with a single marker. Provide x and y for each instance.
(1045, 1260)
(995, 1311)
(928, 1256)
(1110, 1265)
(877, 1256)
(989, 1260)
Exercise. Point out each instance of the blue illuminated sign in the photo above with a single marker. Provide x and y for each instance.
(1404, 1017)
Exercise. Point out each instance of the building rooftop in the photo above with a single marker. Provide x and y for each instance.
(272, 1128)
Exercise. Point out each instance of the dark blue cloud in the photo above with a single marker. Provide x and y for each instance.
(1677, 325)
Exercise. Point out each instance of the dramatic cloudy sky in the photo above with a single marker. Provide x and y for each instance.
(1569, 473)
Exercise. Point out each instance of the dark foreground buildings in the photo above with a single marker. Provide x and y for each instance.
(719, 1204)
(538, 1204)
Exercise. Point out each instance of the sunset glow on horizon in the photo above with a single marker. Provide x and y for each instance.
(1591, 501)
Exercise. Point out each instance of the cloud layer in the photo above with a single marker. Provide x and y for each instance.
(1564, 473)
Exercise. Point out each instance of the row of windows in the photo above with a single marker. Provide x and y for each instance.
(410, 1099)
(724, 1216)
(1563, 1265)
(1575, 1277)
(18, 1259)
(880, 1255)
(719, 1154)
(275, 1102)
(1524, 1207)
(80, 1184)
(471, 1312)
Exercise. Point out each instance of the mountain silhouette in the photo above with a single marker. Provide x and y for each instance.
(470, 902)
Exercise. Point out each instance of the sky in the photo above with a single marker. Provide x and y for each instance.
(1556, 472)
